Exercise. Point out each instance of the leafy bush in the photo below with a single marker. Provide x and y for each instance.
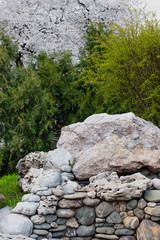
(128, 68)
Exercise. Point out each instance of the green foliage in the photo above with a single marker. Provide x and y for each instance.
(58, 75)
(128, 67)
(92, 99)
(11, 191)
(34, 102)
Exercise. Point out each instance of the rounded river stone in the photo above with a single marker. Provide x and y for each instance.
(85, 215)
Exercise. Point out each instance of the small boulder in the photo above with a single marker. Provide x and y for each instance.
(15, 224)
(2, 197)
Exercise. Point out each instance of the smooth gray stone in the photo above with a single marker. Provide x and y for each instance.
(70, 176)
(152, 195)
(30, 198)
(61, 221)
(114, 217)
(124, 231)
(85, 215)
(86, 231)
(16, 224)
(45, 226)
(44, 193)
(132, 204)
(4, 212)
(40, 232)
(50, 218)
(104, 209)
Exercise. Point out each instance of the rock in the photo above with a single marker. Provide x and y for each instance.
(127, 238)
(104, 209)
(41, 179)
(139, 213)
(78, 195)
(69, 187)
(57, 192)
(101, 140)
(71, 232)
(13, 237)
(61, 221)
(111, 187)
(70, 176)
(59, 228)
(155, 219)
(44, 193)
(33, 159)
(58, 158)
(85, 215)
(2, 197)
(26, 208)
(65, 213)
(124, 231)
(131, 222)
(57, 235)
(4, 212)
(46, 207)
(156, 183)
(114, 217)
(40, 232)
(16, 224)
(151, 204)
(86, 231)
(142, 203)
(148, 230)
(72, 223)
(152, 195)
(153, 211)
(132, 204)
(107, 230)
(65, 203)
(50, 218)
(36, 219)
(44, 226)
(30, 198)
(108, 237)
(91, 202)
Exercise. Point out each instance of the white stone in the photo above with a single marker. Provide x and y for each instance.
(112, 188)
(58, 159)
(16, 224)
(4, 212)
(30, 198)
(26, 208)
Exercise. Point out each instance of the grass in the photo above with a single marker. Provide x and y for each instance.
(9, 188)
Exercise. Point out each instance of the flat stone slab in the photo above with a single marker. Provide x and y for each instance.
(78, 195)
(152, 195)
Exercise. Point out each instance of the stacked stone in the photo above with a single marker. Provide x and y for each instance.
(77, 216)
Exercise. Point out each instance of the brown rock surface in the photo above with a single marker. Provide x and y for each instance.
(121, 143)
(148, 230)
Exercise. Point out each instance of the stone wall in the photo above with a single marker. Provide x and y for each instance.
(120, 199)
(82, 215)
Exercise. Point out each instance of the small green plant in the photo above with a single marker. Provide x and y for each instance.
(9, 188)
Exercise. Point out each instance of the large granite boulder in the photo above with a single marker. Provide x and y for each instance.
(15, 224)
(110, 187)
(122, 143)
